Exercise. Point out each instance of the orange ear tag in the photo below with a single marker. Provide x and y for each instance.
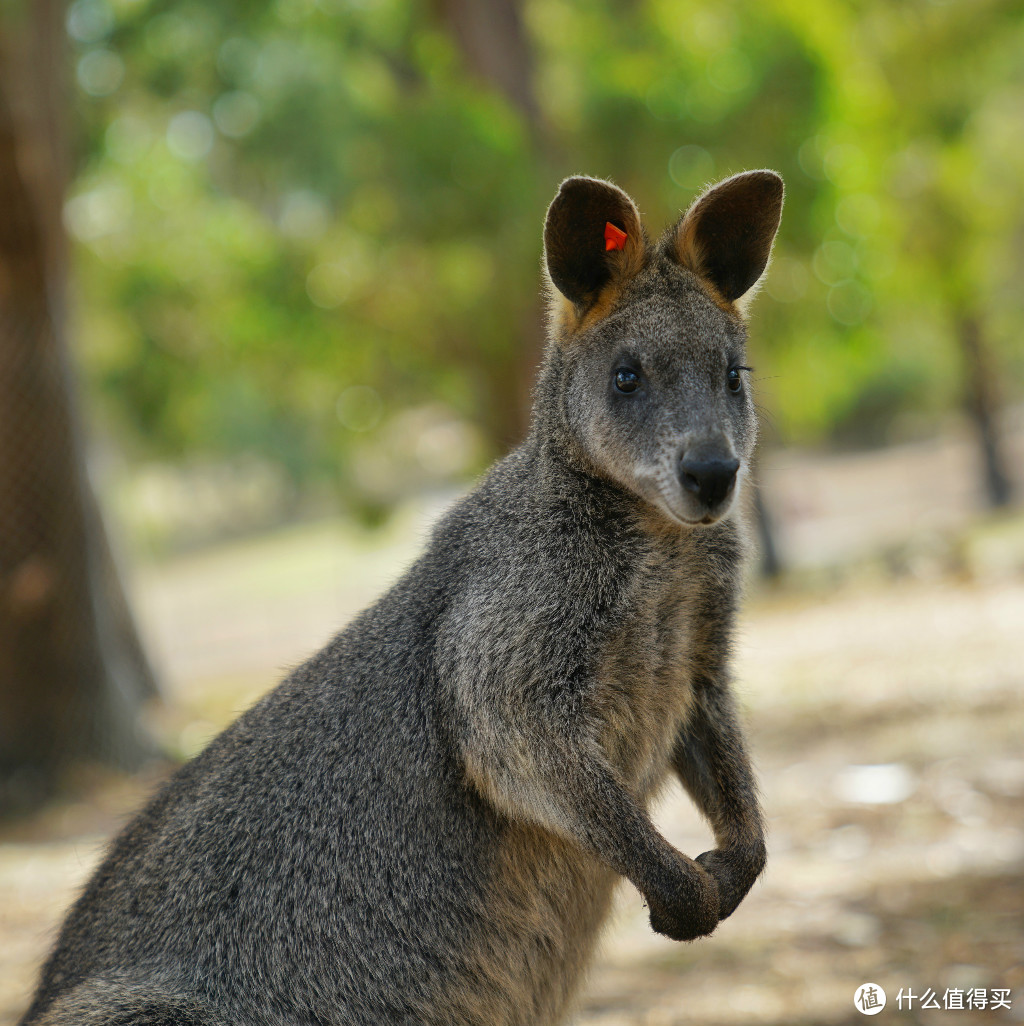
(614, 238)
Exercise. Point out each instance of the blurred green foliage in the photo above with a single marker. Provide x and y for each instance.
(297, 219)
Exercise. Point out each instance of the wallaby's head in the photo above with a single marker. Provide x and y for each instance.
(645, 374)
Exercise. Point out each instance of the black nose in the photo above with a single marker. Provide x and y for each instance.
(710, 480)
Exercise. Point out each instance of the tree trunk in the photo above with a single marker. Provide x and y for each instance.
(770, 565)
(982, 405)
(495, 45)
(72, 672)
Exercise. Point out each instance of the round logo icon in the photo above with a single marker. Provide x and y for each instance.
(869, 999)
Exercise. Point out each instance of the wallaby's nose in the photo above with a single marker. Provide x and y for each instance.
(710, 480)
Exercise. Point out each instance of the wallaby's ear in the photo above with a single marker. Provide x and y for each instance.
(581, 251)
(726, 236)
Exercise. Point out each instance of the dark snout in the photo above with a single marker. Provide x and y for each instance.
(709, 477)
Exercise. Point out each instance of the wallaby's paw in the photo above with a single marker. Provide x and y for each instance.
(689, 910)
(735, 870)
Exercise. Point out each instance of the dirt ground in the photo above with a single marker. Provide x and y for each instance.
(884, 705)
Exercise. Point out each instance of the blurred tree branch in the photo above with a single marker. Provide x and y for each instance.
(982, 402)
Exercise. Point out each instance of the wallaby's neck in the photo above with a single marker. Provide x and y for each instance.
(561, 468)
(559, 460)
(551, 439)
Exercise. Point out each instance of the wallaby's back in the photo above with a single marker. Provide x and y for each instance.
(424, 823)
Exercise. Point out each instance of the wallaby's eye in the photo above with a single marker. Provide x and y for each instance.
(734, 379)
(627, 380)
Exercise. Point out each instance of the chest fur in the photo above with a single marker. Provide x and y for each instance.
(646, 672)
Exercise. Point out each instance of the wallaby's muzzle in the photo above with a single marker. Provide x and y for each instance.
(710, 480)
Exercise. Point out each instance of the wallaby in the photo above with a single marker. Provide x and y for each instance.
(425, 823)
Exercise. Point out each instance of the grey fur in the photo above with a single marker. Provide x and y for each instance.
(425, 822)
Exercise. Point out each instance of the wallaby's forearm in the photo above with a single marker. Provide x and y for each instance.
(568, 786)
(711, 761)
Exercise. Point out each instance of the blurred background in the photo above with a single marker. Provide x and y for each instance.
(269, 301)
